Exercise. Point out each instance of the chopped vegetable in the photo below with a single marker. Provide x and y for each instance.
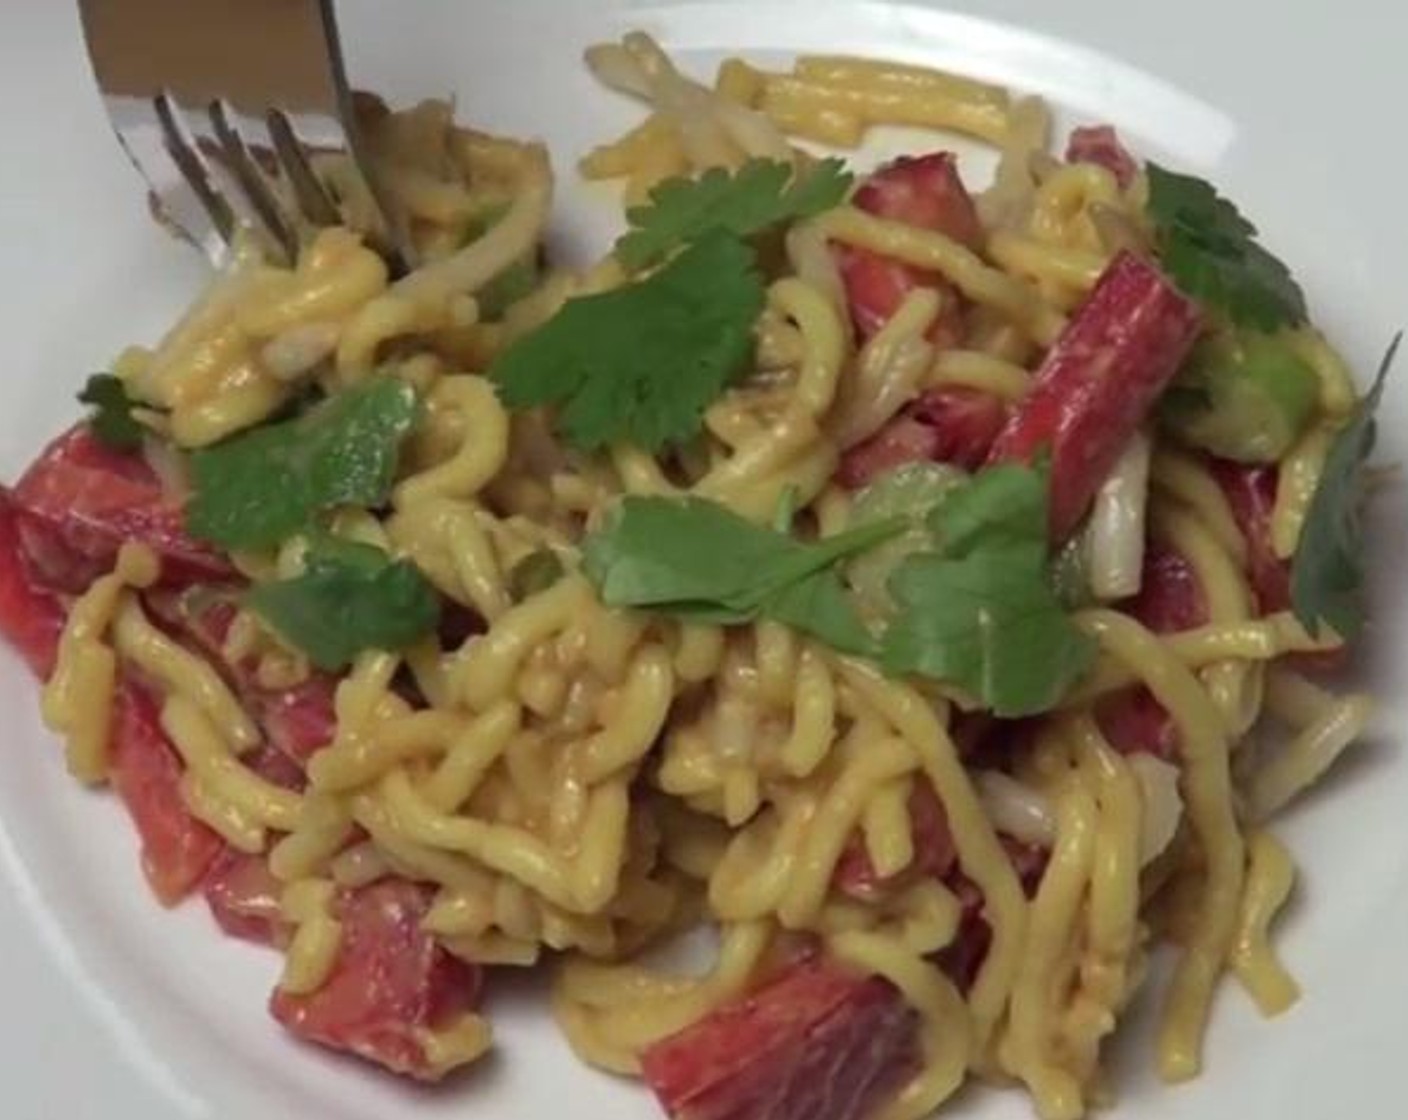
(935, 853)
(111, 418)
(979, 612)
(299, 720)
(912, 491)
(925, 192)
(506, 289)
(1243, 396)
(31, 617)
(1211, 250)
(260, 488)
(948, 424)
(81, 501)
(760, 194)
(695, 559)
(1251, 494)
(1114, 535)
(641, 363)
(1097, 384)
(244, 898)
(145, 770)
(1069, 573)
(513, 283)
(817, 1043)
(392, 987)
(536, 572)
(351, 597)
(1327, 571)
(1170, 599)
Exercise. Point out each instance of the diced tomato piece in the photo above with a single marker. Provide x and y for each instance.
(817, 1043)
(31, 617)
(1098, 383)
(934, 850)
(243, 897)
(949, 424)
(925, 192)
(391, 982)
(1170, 599)
(80, 502)
(1100, 144)
(177, 849)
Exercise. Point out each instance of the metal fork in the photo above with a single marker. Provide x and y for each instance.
(221, 105)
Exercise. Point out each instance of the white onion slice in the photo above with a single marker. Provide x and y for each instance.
(1115, 534)
(1016, 809)
(1162, 801)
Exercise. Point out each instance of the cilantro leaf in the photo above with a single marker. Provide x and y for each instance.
(1327, 571)
(759, 194)
(1211, 250)
(979, 611)
(111, 419)
(351, 597)
(641, 363)
(695, 559)
(259, 488)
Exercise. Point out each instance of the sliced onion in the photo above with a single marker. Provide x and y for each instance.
(1162, 802)
(1016, 809)
(1115, 534)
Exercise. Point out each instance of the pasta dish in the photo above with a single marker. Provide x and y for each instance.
(933, 593)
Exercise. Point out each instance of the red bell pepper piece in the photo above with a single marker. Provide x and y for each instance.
(817, 1043)
(79, 503)
(31, 617)
(934, 850)
(1170, 599)
(391, 982)
(921, 191)
(1098, 383)
(244, 898)
(948, 424)
(145, 770)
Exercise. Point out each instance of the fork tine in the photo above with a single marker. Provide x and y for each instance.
(192, 167)
(311, 135)
(250, 177)
(220, 156)
(236, 82)
(312, 198)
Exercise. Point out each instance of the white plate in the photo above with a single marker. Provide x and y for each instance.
(110, 1008)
